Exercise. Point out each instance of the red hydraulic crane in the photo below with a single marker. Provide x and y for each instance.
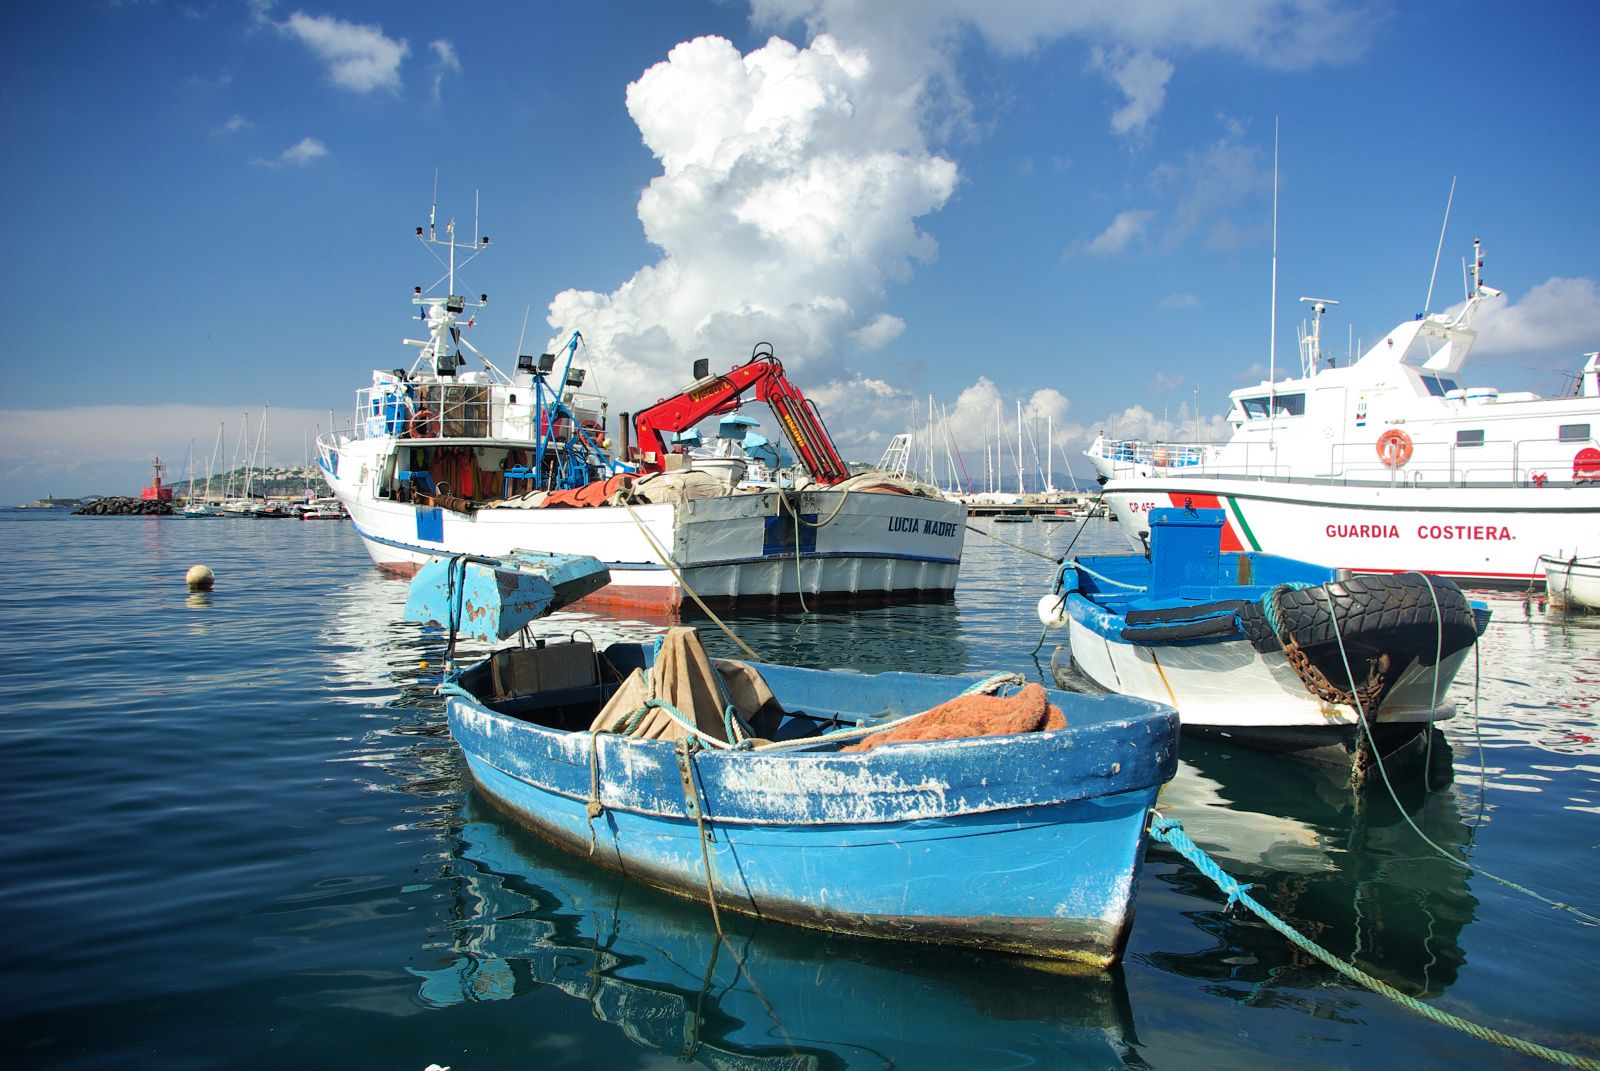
(711, 396)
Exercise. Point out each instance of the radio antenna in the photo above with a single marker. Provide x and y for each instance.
(433, 212)
(1427, 306)
(1272, 348)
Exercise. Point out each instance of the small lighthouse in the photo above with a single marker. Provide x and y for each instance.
(155, 492)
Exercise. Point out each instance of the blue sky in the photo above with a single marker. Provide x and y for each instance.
(1063, 205)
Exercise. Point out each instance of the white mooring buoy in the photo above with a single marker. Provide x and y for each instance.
(199, 578)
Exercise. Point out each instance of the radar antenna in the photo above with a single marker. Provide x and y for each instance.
(1311, 342)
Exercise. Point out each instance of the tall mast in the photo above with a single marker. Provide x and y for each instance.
(210, 467)
(1050, 451)
(1272, 342)
(1019, 447)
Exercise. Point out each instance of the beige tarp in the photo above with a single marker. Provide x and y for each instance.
(685, 676)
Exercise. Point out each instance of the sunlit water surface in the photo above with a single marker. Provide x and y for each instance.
(234, 832)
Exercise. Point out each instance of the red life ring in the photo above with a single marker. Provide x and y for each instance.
(424, 425)
(1394, 448)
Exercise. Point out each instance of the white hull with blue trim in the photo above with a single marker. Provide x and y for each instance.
(1261, 649)
(442, 460)
(727, 548)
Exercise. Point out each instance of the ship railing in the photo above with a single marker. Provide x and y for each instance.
(1160, 455)
(1528, 461)
(448, 410)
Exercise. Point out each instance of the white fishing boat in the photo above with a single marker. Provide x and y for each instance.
(1263, 650)
(1387, 464)
(324, 508)
(1572, 582)
(443, 460)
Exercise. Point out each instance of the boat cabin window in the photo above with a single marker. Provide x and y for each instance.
(1470, 438)
(1439, 386)
(1285, 404)
(1574, 433)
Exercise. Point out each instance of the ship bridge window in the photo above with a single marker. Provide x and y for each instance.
(1470, 438)
(1439, 386)
(1282, 404)
(1574, 433)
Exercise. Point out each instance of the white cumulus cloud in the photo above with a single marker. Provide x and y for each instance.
(359, 58)
(445, 62)
(302, 153)
(1559, 317)
(880, 332)
(791, 181)
(234, 124)
(1128, 226)
(1142, 76)
(1134, 35)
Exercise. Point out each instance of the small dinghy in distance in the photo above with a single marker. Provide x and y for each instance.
(1254, 648)
(836, 800)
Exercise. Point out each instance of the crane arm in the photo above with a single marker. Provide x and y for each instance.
(714, 395)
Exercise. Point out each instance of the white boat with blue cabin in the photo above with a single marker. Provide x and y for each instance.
(1261, 650)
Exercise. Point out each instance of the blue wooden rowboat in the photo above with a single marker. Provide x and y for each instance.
(1263, 650)
(1029, 843)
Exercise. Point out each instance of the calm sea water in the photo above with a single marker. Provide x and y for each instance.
(234, 833)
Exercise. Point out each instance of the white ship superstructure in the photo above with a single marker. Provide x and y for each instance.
(1395, 462)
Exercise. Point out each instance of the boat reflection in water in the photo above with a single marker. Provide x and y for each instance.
(766, 996)
(876, 639)
(1342, 867)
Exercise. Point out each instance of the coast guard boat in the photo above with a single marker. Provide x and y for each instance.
(444, 460)
(1388, 464)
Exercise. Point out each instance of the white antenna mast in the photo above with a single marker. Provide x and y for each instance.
(433, 211)
(1427, 306)
(523, 333)
(1272, 348)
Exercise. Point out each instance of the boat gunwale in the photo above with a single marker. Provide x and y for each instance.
(887, 785)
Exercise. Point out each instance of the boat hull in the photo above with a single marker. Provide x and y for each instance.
(1028, 844)
(1229, 690)
(871, 546)
(1482, 536)
(1573, 582)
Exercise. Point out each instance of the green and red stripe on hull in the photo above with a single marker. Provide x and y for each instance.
(1236, 533)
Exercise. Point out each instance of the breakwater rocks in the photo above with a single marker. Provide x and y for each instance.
(118, 506)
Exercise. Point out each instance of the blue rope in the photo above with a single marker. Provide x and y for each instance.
(1269, 604)
(1170, 831)
(1086, 571)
